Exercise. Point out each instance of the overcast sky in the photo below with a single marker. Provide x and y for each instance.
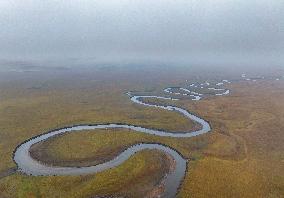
(201, 30)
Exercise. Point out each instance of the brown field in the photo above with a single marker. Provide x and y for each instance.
(242, 157)
(97, 146)
(148, 167)
(247, 157)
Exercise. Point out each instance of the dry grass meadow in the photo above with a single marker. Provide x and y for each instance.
(242, 157)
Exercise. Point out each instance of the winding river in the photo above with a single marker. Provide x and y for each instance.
(26, 164)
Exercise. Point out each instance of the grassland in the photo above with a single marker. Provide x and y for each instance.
(147, 167)
(243, 157)
(26, 112)
(252, 120)
(97, 146)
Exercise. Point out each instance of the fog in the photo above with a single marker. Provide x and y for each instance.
(229, 32)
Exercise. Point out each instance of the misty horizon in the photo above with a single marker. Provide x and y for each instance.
(188, 32)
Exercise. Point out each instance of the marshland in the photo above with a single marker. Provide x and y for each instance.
(141, 99)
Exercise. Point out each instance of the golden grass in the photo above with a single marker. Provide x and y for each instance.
(97, 146)
(135, 178)
(243, 157)
(31, 112)
(253, 119)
